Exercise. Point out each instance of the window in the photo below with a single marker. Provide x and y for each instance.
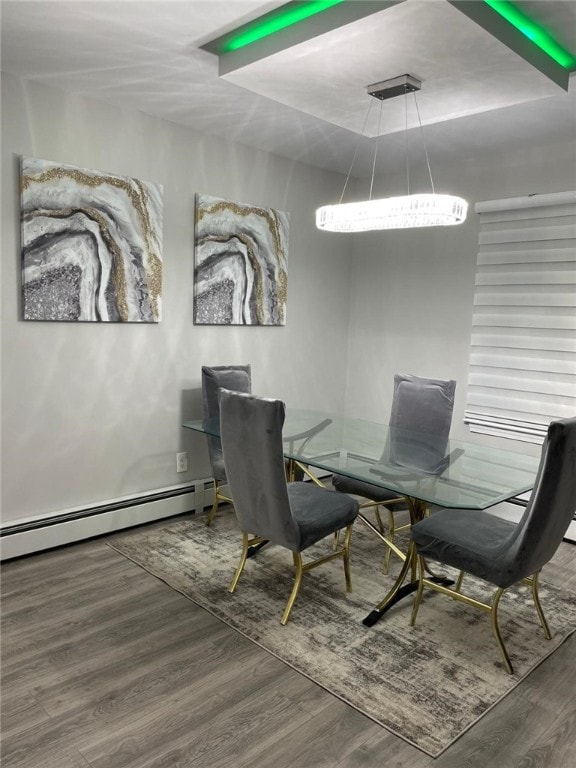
(523, 348)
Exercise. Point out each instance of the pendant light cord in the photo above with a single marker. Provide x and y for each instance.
(406, 144)
(424, 142)
(355, 152)
(376, 150)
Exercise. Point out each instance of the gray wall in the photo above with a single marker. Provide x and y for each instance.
(92, 412)
(412, 291)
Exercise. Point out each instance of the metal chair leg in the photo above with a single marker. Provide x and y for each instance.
(295, 589)
(379, 518)
(242, 563)
(420, 591)
(391, 534)
(496, 630)
(214, 509)
(540, 612)
(459, 580)
(346, 558)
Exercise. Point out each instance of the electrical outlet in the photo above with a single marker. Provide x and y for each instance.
(182, 462)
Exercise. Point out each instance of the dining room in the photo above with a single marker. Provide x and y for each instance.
(358, 308)
(93, 411)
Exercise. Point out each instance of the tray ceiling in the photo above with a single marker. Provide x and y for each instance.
(307, 102)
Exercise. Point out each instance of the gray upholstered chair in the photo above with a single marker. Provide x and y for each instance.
(268, 508)
(238, 378)
(421, 405)
(499, 551)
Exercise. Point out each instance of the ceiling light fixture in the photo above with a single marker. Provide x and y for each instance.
(421, 210)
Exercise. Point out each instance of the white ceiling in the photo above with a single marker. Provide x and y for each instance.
(308, 102)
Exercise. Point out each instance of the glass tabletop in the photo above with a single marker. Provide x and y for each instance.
(448, 473)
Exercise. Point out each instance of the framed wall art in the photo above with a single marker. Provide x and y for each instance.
(91, 245)
(240, 263)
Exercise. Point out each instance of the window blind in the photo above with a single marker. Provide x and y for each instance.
(523, 348)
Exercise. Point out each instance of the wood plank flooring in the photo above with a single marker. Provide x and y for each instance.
(104, 666)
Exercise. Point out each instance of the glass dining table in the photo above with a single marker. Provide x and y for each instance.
(417, 466)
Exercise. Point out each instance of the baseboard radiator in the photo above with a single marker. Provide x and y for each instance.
(66, 527)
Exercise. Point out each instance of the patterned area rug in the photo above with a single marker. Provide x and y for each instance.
(427, 684)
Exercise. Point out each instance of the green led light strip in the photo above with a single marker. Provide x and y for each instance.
(293, 15)
(533, 31)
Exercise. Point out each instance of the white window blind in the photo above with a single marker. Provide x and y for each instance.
(523, 347)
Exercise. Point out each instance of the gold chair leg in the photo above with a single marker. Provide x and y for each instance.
(420, 592)
(346, 558)
(386, 563)
(300, 567)
(392, 531)
(379, 518)
(391, 534)
(496, 629)
(540, 612)
(295, 589)
(214, 509)
(459, 580)
(491, 608)
(242, 562)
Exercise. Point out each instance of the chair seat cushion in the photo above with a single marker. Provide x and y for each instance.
(319, 512)
(361, 488)
(469, 540)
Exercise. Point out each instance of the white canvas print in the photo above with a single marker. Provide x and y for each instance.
(241, 263)
(91, 245)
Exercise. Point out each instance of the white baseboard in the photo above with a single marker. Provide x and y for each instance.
(68, 526)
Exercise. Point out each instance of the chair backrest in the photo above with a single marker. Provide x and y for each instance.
(251, 434)
(235, 377)
(551, 507)
(420, 419)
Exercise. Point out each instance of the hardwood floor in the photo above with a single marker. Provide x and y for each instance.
(104, 666)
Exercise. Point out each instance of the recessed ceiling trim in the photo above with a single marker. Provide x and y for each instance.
(271, 23)
(496, 25)
(330, 18)
(533, 31)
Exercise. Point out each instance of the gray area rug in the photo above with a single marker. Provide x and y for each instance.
(427, 684)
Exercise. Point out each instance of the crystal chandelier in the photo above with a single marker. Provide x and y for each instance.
(407, 211)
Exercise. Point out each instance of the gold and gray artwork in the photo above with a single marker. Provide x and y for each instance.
(241, 263)
(91, 245)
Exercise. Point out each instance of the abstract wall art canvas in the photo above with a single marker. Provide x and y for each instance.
(91, 245)
(241, 263)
